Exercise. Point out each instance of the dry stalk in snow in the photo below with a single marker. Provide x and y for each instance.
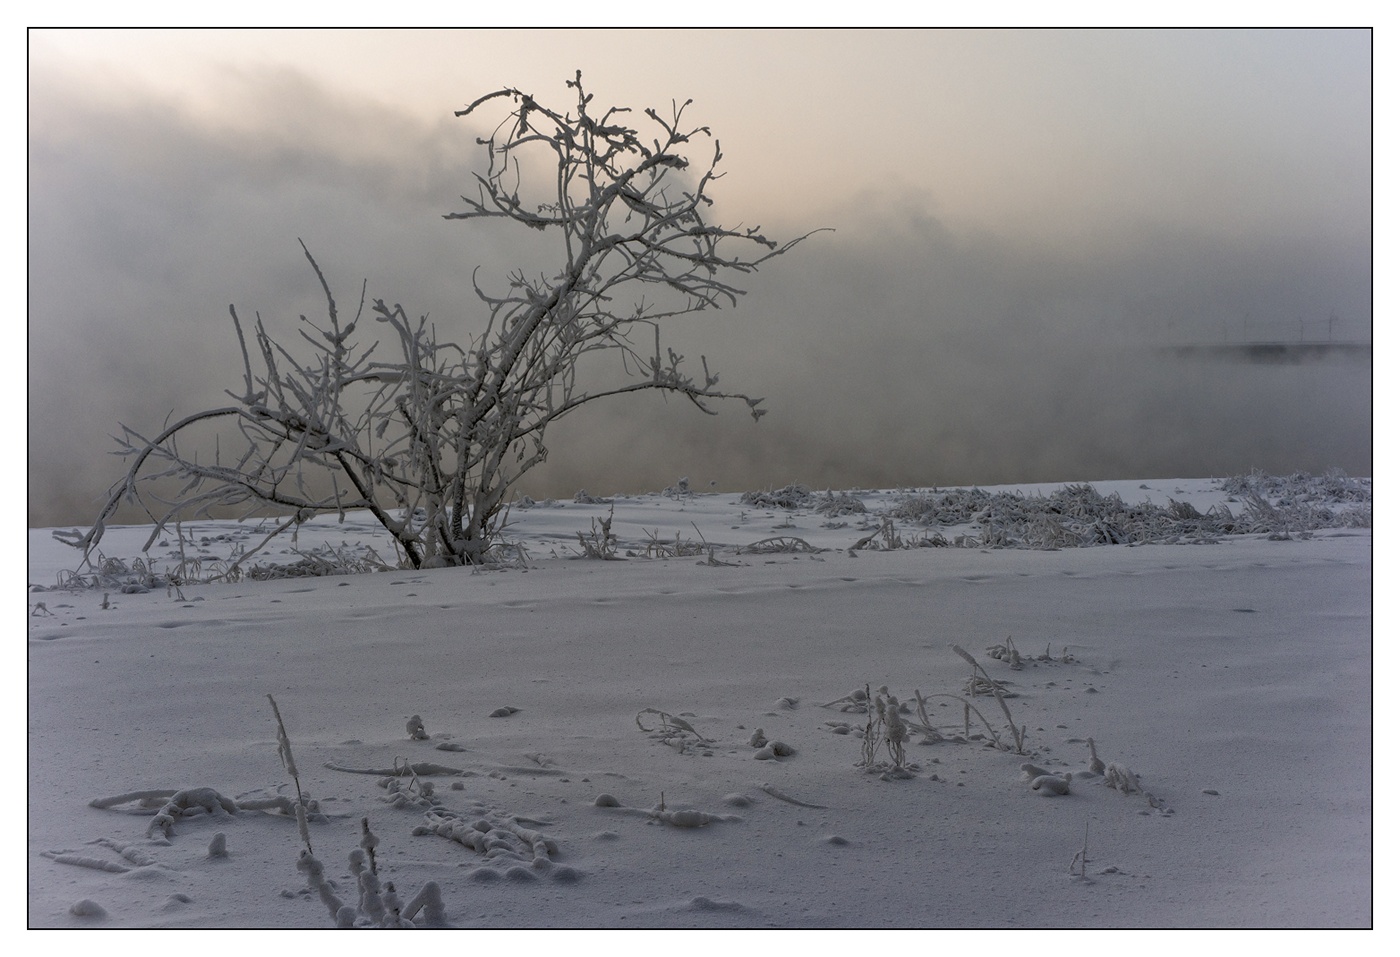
(284, 751)
(1018, 733)
(1081, 857)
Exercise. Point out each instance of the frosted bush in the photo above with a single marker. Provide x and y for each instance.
(430, 436)
(788, 497)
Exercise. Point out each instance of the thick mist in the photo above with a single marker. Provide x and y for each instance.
(896, 350)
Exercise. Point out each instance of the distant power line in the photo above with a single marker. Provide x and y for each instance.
(1251, 331)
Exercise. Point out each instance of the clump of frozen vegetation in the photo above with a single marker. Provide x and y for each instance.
(833, 505)
(1008, 652)
(599, 542)
(681, 491)
(134, 578)
(376, 905)
(684, 818)
(1079, 515)
(656, 547)
(430, 435)
(1301, 502)
(1113, 775)
(886, 730)
(892, 724)
(1334, 488)
(321, 562)
(501, 840)
(788, 497)
(675, 732)
(886, 539)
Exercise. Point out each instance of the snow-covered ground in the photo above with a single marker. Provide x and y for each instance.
(578, 711)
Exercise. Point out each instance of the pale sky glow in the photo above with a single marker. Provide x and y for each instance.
(1038, 129)
(1004, 203)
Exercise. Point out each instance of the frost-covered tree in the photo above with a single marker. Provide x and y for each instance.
(431, 437)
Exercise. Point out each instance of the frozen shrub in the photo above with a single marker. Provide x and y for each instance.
(429, 435)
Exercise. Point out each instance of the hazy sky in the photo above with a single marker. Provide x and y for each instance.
(1020, 218)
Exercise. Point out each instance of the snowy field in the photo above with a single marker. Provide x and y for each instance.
(683, 738)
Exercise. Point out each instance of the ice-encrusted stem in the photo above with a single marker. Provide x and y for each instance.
(284, 751)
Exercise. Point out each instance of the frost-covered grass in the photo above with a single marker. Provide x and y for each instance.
(672, 739)
(1080, 515)
(1072, 515)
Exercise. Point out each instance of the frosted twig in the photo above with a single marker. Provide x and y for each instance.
(403, 770)
(284, 751)
(773, 792)
(146, 798)
(1081, 857)
(84, 860)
